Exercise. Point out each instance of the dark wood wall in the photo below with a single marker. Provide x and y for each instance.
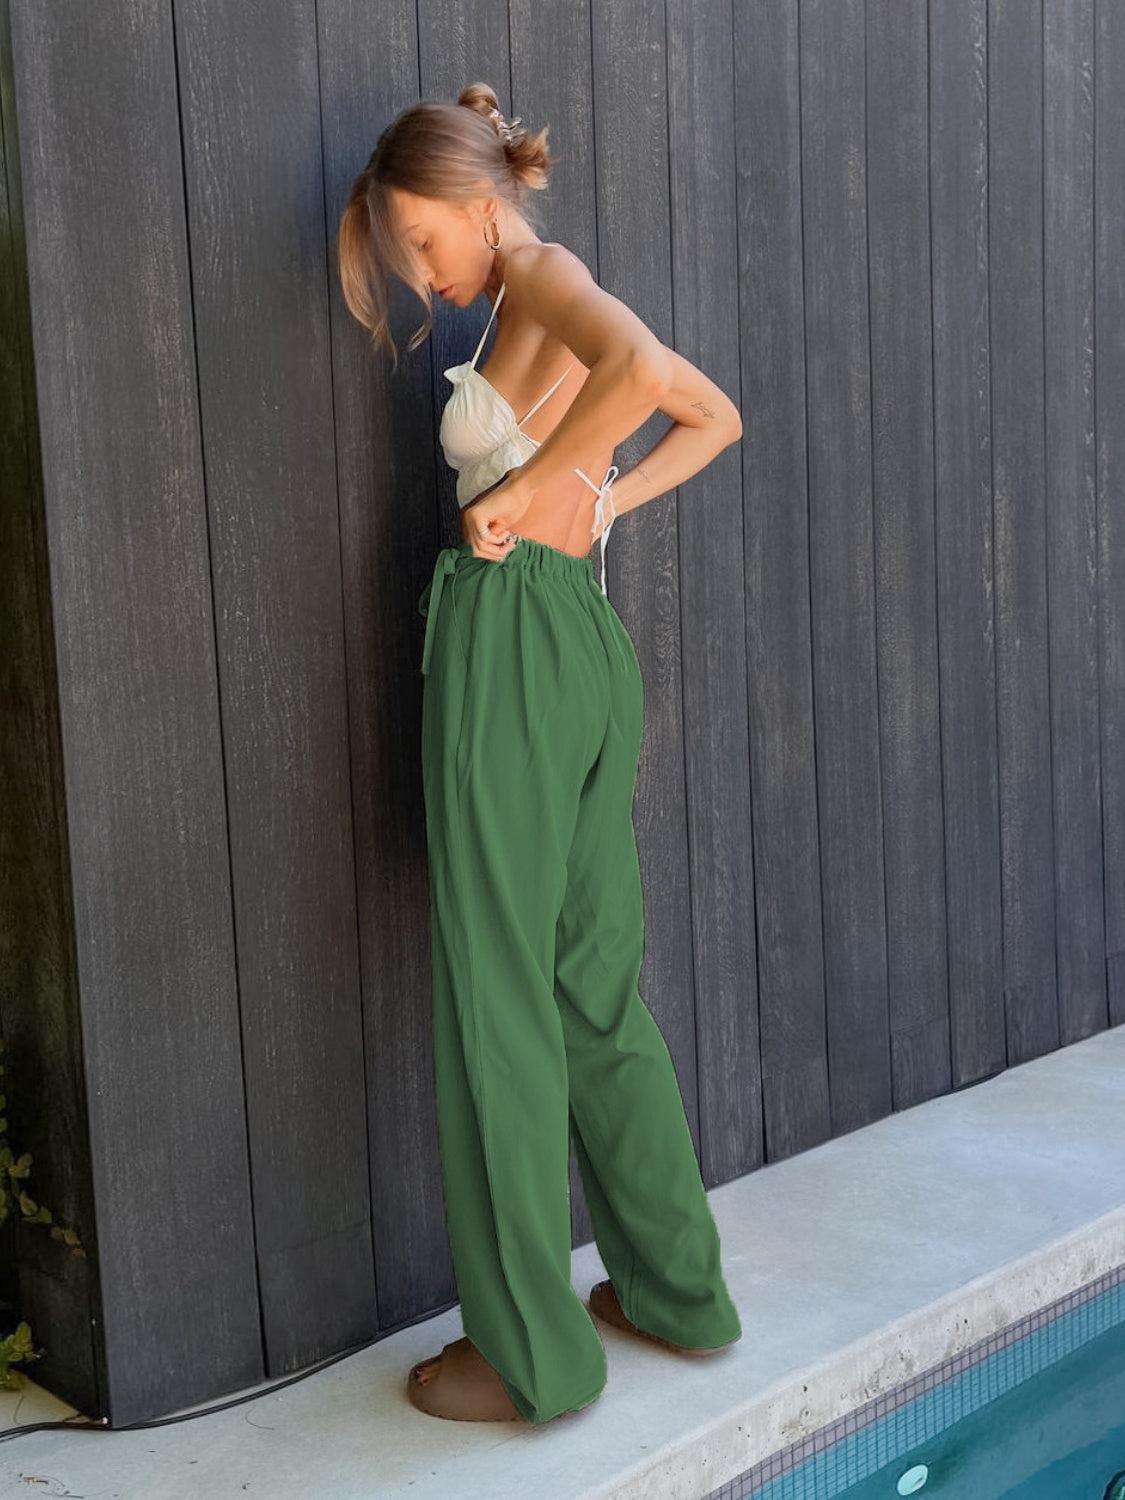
(881, 808)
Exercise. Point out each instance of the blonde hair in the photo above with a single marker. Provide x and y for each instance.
(434, 150)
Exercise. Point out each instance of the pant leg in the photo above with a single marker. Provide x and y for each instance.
(514, 705)
(652, 1221)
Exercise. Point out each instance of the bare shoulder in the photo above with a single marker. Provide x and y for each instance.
(554, 286)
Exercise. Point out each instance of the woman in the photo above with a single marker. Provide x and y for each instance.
(531, 729)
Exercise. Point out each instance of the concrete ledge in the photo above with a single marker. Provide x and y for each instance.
(922, 1234)
(807, 1399)
(855, 1265)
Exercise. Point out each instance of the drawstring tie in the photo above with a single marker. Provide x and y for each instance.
(604, 492)
(447, 558)
(446, 562)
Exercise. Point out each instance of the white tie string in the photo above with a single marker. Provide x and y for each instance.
(604, 492)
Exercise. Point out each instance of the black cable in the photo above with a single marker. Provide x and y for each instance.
(102, 1424)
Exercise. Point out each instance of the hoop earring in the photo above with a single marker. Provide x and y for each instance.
(487, 241)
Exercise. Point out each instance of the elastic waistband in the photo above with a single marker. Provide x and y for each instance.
(538, 557)
(533, 556)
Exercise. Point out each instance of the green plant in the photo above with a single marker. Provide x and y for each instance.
(17, 1346)
(15, 1170)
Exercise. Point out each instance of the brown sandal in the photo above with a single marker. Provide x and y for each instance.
(459, 1383)
(603, 1301)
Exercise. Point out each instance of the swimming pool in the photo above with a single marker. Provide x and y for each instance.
(1034, 1412)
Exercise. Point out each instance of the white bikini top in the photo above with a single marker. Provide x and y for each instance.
(482, 439)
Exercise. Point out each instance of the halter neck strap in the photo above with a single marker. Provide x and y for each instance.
(488, 325)
(546, 394)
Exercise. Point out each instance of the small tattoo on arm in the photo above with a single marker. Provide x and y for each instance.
(642, 470)
(706, 410)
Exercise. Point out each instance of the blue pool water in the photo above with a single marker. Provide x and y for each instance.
(1058, 1436)
(1042, 1418)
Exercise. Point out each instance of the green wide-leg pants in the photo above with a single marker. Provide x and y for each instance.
(532, 712)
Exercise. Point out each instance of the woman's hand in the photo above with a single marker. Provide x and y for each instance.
(487, 521)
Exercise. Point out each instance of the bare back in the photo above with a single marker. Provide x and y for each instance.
(522, 361)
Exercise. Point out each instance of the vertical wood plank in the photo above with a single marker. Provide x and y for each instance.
(1015, 198)
(897, 165)
(249, 94)
(388, 483)
(50, 1288)
(833, 106)
(705, 299)
(958, 91)
(791, 979)
(631, 166)
(1109, 380)
(1071, 511)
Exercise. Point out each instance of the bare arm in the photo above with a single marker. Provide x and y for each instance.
(705, 421)
(626, 362)
(618, 395)
(631, 375)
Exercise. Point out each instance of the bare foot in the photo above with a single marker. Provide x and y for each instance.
(603, 1301)
(459, 1383)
